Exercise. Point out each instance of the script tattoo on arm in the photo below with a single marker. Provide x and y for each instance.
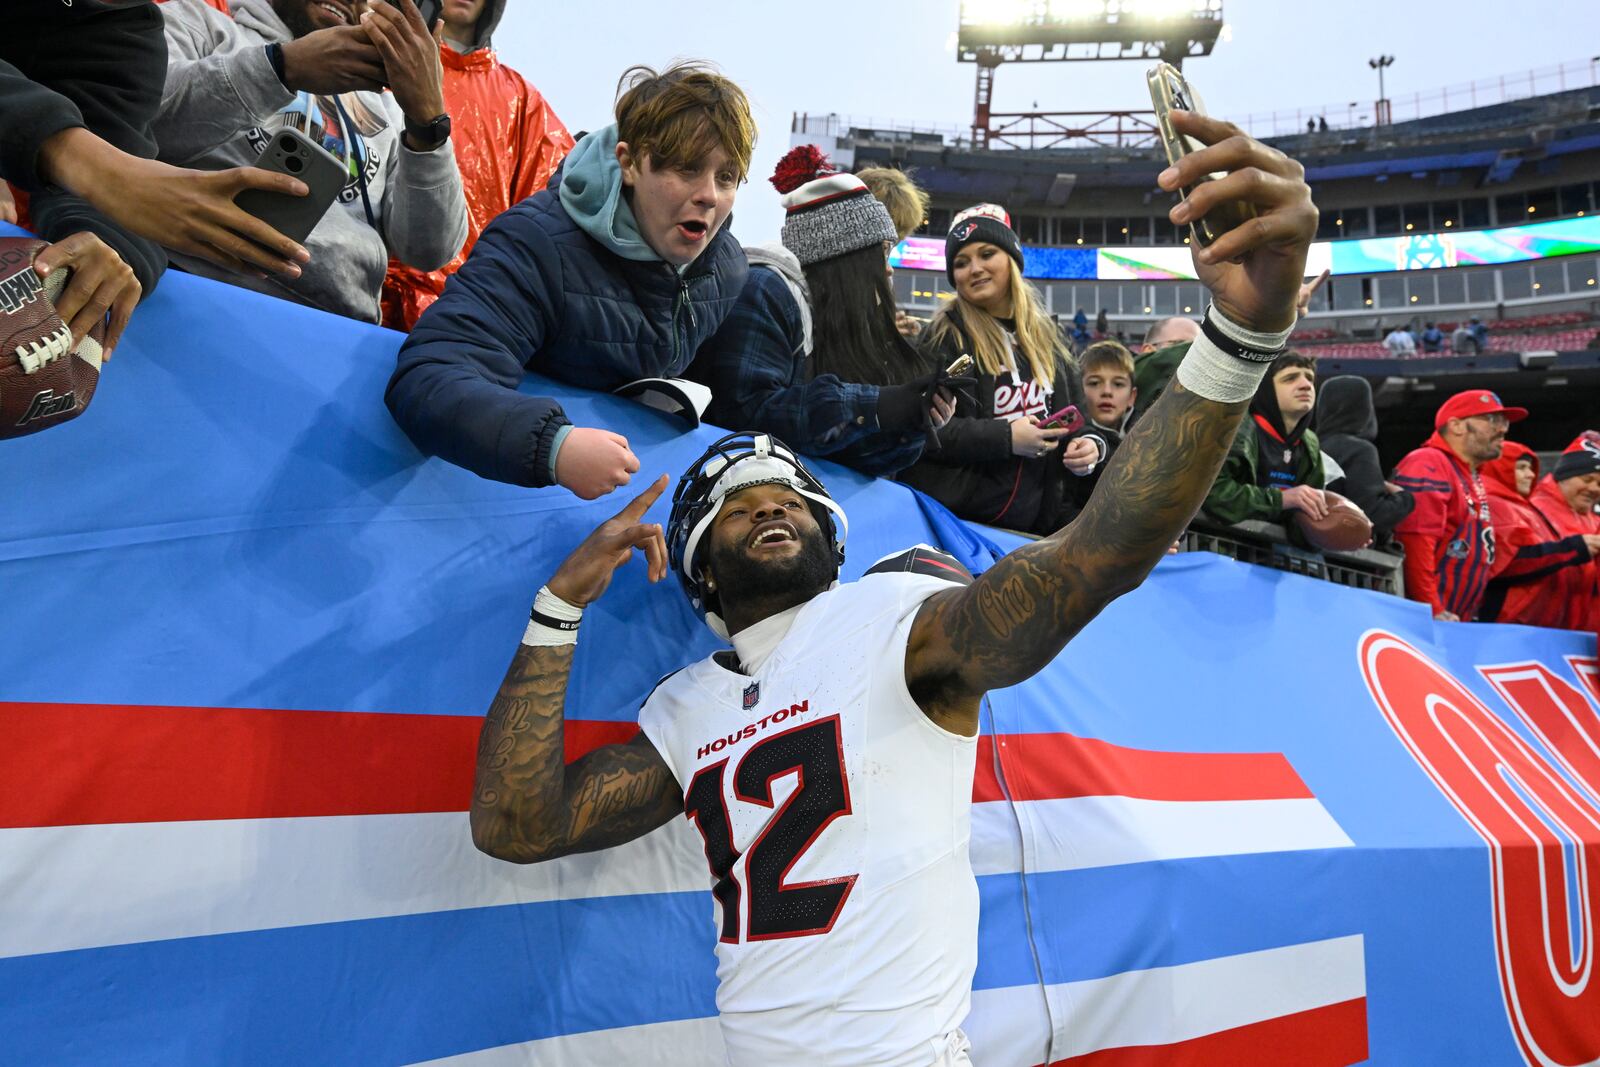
(528, 804)
(1018, 615)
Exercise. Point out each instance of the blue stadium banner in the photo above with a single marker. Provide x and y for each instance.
(249, 632)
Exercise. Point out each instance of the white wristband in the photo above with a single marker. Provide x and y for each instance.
(552, 622)
(1210, 372)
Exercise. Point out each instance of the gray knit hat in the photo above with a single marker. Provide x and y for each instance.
(829, 212)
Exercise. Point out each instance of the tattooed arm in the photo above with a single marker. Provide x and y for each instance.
(528, 804)
(1007, 625)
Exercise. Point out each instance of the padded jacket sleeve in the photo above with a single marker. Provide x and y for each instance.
(454, 390)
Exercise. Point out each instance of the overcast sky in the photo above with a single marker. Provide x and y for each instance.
(895, 59)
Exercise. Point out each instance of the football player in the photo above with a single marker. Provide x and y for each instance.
(827, 758)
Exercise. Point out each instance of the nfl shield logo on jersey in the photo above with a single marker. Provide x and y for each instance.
(752, 695)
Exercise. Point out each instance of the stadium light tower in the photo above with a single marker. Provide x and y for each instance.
(1382, 116)
(992, 32)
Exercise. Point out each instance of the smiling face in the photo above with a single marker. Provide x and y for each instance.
(1581, 491)
(1297, 393)
(308, 16)
(765, 545)
(982, 274)
(679, 208)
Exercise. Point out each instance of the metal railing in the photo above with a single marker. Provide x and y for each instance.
(1406, 107)
(1266, 544)
(1350, 115)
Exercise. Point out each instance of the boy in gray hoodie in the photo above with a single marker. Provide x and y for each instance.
(320, 66)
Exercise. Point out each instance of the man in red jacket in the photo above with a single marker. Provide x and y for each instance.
(1449, 536)
(1540, 574)
(507, 142)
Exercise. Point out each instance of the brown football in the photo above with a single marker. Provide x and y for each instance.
(1344, 529)
(42, 382)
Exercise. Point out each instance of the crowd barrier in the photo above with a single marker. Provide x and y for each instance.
(246, 633)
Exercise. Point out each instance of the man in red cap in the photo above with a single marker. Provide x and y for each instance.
(1448, 537)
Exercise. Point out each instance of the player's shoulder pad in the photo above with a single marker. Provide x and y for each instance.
(924, 559)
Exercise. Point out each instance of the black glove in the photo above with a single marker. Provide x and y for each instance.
(902, 408)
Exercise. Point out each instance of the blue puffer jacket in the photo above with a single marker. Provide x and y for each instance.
(542, 291)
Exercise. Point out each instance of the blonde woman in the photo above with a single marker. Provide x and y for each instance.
(996, 462)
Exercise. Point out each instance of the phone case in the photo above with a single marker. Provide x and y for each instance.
(293, 153)
(1169, 92)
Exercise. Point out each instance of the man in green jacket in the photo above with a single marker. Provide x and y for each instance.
(1275, 463)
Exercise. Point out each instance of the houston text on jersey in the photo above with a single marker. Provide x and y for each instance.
(753, 728)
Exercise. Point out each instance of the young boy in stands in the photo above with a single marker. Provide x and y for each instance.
(618, 271)
(1275, 464)
(1108, 395)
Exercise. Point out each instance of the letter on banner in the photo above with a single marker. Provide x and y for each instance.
(1543, 832)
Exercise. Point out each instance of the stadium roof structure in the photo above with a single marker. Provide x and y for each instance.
(1493, 142)
(992, 32)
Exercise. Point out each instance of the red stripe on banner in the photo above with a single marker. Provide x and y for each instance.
(1057, 766)
(1331, 1036)
(76, 764)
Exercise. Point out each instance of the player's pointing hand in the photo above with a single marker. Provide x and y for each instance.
(586, 574)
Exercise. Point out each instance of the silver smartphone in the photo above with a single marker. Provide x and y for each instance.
(293, 153)
(1169, 92)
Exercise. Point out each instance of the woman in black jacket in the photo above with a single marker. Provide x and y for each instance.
(1347, 426)
(994, 462)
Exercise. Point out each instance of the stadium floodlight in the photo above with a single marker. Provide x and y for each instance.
(1379, 64)
(1031, 31)
(1066, 10)
(1157, 10)
(1001, 12)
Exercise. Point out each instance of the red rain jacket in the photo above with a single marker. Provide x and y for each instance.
(508, 142)
(1540, 573)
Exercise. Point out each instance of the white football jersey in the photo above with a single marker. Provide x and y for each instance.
(836, 819)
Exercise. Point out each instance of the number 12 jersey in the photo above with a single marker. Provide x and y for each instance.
(836, 822)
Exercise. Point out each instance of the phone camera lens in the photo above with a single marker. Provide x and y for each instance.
(294, 164)
(287, 144)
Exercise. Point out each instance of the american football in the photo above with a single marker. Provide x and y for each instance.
(1344, 528)
(42, 382)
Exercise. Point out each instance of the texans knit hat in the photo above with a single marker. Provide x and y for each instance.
(1581, 457)
(830, 212)
(980, 222)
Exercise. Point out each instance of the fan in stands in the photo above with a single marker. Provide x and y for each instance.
(42, 381)
(1344, 528)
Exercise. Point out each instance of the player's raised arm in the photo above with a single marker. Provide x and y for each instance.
(527, 803)
(1013, 620)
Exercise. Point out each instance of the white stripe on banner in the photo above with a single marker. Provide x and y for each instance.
(1008, 1027)
(74, 887)
(696, 1042)
(1104, 831)
(58, 884)
(1165, 1005)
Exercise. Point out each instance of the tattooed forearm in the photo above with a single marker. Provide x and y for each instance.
(1016, 618)
(527, 805)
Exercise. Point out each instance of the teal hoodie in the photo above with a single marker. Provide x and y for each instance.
(591, 191)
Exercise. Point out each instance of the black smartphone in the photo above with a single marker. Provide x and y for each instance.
(1169, 92)
(293, 153)
(430, 10)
